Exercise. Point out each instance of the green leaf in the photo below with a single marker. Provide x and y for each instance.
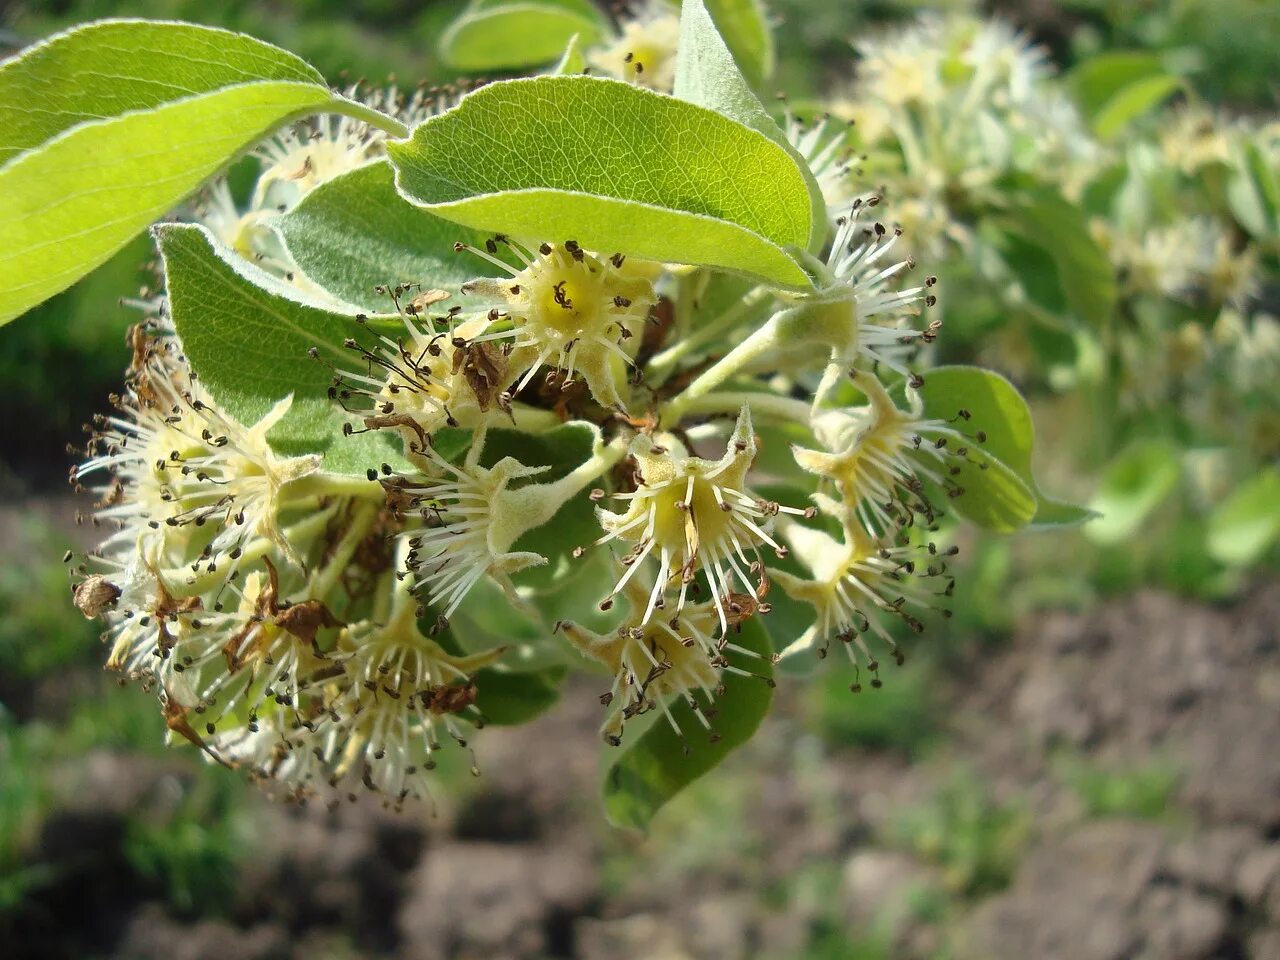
(572, 61)
(998, 493)
(576, 593)
(745, 28)
(247, 336)
(1244, 527)
(98, 137)
(451, 443)
(616, 168)
(514, 34)
(1132, 102)
(574, 524)
(1004, 496)
(507, 699)
(707, 74)
(505, 696)
(1052, 512)
(113, 67)
(1135, 483)
(1034, 269)
(1043, 218)
(1115, 88)
(355, 232)
(1253, 191)
(654, 768)
(561, 448)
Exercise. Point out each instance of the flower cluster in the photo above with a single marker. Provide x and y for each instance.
(994, 167)
(230, 580)
(569, 428)
(1175, 267)
(946, 106)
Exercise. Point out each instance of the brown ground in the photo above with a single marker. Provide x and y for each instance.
(525, 868)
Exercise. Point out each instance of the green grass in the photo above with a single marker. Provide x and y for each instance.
(810, 893)
(40, 630)
(901, 715)
(1144, 791)
(977, 840)
(24, 802)
(115, 717)
(191, 856)
(829, 942)
(188, 853)
(22, 793)
(706, 828)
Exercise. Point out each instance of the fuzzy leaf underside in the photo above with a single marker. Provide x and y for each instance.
(744, 24)
(355, 232)
(572, 60)
(247, 336)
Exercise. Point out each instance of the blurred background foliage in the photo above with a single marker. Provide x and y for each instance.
(1106, 227)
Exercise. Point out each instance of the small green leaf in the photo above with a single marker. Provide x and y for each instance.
(1132, 102)
(572, 61)
(355, 232)
(515, 34)
(1135, 483)
(707, 74)
(97, 137)
(654, 768)
(1004, 496)
(1253, 191)
(1043, 218)
(616, 168)
(247, 336)
(995, 498)
(1247, 523)
(744, 25)
(1052, 512)
(1115, 88)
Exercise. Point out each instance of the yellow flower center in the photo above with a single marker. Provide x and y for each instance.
(685, 516)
